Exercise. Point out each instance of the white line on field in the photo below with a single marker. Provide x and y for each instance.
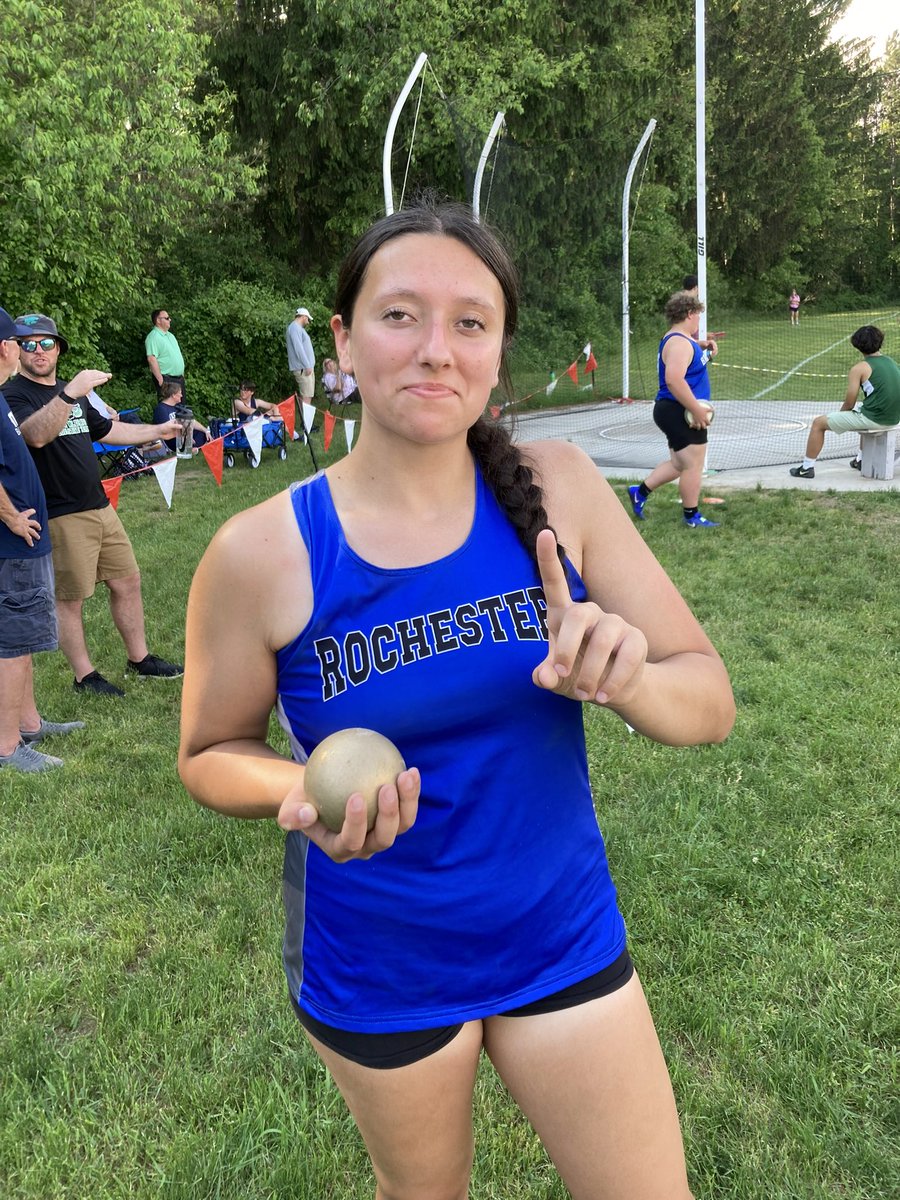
(794, 370)
(812, 357)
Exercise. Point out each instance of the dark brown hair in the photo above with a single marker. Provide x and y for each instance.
(490, 442)
(682, 305)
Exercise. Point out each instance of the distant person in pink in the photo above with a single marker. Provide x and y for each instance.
(794, 307)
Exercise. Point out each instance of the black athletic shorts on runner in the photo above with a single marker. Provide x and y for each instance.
(383, 1051)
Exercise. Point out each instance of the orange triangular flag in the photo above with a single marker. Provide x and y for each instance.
(494, 410)
(213, 452)
(572, 372)
(289, 416)
(591, 364)
(329, 428)
(112, 487)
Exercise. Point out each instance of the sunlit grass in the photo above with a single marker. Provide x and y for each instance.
(147, 1044)
(760, 357)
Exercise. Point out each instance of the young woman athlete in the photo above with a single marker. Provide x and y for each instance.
(465, 597)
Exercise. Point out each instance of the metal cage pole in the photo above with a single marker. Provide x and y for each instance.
(626, 303)
(389, 135)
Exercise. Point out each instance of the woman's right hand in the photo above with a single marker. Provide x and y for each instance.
(398, 804)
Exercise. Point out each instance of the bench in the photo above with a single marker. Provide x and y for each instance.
(879, 447)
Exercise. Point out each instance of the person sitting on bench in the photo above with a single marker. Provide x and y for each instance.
(878, 378)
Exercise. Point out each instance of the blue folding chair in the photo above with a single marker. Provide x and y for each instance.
(114, 460)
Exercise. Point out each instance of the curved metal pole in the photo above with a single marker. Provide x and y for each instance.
(389, 136)
(485, 152)
(626, 306)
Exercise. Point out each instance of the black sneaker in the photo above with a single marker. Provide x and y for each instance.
(803, 472)
(97, 684)
(856, 464)
(156, 668)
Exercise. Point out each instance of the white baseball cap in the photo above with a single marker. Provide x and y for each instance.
(303, 312)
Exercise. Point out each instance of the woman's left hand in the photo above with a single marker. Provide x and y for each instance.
(592, 655)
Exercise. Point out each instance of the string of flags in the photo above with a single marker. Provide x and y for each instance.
(213, 451)
(588, 367)
(572, 370)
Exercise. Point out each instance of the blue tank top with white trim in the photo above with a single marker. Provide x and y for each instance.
(696, 376)
(500, 893)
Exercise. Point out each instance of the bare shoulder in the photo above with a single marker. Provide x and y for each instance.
(569, 478)
(577, 498)
(245, 537)
(551, 456)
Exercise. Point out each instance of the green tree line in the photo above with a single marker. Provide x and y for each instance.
(216, 157)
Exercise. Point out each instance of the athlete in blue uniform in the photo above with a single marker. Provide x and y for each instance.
(416, 587)
(683, 387)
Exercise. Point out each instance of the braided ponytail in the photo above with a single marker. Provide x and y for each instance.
(511, 480)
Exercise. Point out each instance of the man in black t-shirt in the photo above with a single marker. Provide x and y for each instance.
(89, 543)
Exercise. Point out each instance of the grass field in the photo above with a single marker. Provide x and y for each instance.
(148, 1047)
(759, 357)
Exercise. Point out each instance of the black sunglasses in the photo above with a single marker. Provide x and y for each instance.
(29, 345)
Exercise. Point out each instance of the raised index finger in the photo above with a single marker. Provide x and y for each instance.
(553, 577)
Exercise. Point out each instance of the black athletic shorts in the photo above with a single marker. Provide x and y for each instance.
(668, 415)
(385, 1050)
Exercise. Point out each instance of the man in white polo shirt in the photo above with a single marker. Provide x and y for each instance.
(301, 356)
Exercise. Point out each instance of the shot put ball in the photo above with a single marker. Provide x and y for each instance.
(348, 761)
(689, 416)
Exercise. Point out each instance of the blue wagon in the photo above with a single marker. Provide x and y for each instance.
(273, 438)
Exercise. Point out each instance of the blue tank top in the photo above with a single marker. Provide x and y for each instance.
(696, 376)
(500, 893)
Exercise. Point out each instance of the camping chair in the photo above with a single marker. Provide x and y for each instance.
(119, 460)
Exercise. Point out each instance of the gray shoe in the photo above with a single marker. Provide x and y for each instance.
(25, 758)
(50, 729)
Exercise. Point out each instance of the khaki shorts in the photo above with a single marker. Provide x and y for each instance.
(848, 421)
(89, 547)
(306, 384)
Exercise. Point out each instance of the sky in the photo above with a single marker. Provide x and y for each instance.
(868, 18)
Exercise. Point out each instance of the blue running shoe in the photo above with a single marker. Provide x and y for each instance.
(698, 521)
(637, 501)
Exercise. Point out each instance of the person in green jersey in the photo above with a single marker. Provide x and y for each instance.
(877, 377)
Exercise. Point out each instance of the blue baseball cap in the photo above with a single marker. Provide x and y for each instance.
(10, 329)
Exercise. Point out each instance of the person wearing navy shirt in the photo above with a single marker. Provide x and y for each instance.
(27, 610)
